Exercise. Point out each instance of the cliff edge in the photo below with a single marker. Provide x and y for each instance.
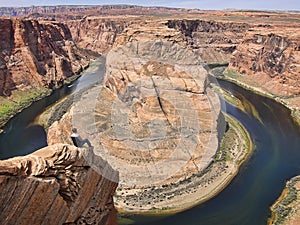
(56, 185)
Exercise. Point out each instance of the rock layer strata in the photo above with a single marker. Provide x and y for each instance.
(139, 87)
(154, 120)
(37, 54)
(96, 34)
(56, 185)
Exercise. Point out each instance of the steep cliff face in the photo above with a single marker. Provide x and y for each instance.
(214, 41)
(96, 34)
(56, 185)
(36, 54)
(266, 55)
(271, 60)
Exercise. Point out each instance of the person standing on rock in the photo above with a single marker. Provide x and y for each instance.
(77, 140)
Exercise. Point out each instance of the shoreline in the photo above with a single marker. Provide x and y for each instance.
(259, 90)
(284, 209)
(23, 105)
(44, 93)
(185, 201)
(212, 170)
(221, 186)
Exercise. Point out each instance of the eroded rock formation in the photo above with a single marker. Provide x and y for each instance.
(262, 55)
(154, 99)
(155, 118)
(96, 34)
(37, 54)
(271, 60)
(213, 41)
(57, 185)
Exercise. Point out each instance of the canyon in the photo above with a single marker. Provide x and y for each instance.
(35, 57)
(157, 66)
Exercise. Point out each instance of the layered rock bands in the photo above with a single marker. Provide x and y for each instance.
(155, 119)
(57, 185)
(37, 54)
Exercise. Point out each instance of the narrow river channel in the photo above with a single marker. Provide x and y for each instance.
(21, 136)
(245, 201)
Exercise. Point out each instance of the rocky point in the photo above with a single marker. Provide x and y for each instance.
(57, 185)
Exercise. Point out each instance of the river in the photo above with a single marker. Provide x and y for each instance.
(261, 179)
(21, 136)
(245, 201)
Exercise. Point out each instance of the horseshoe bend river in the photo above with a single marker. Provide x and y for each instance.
(245, 201)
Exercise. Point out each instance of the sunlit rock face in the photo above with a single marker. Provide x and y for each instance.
(160, 124)
(96, 34)
(214, 41)
(271, 60)
(155, 117)
(57, 185)
(37, 54)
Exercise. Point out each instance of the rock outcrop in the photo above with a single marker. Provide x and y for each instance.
(57, 185)
(37, 54)
(263, 56)
(271, 60)
(155, 118)
(214, 41)
(96, 34)
(286, 210)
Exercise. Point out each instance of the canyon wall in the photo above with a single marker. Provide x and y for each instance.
(213, 41)
(260, 52)
(96, 34)
(37, 54)
(154, 74)
(154, 119)
(57, 185)
(272, 60)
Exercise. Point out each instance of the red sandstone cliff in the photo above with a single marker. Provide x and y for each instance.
(214, 41)
(56, 185)
(272, 60)
(266, 54)
(37, 54)
(96, 34)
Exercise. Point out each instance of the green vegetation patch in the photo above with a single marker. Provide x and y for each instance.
(235, 136)
(283, 207)
(18, 101)
(122, 220)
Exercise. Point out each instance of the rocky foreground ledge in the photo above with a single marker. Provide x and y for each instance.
(56, 185)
